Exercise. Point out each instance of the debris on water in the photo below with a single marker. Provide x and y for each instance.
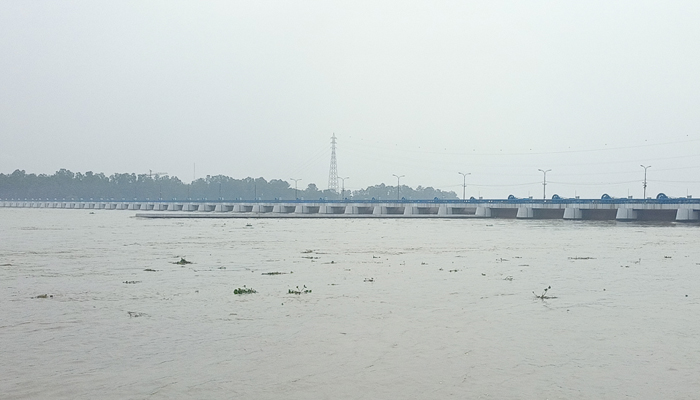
(44, 296)
(369, 279)
(222, 267)
(244, 290)
(501, 259)
(273, 273)
(183, 261)
(454, 270)
(483, 274)
(248, 225)
(424, 263)
(150, 270)
(303, 290)
(508, 278)
(581, 258)
(544, 296)
(307, 251)
(131, 282)
(5, 265)
(134, 314)
(667, 256)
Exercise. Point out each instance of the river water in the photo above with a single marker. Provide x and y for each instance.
(429, 308)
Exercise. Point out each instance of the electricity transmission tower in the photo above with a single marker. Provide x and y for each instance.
(333, 174)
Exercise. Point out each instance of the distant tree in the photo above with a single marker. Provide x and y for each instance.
(65, 184)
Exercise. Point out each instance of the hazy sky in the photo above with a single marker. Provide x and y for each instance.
(499, 89)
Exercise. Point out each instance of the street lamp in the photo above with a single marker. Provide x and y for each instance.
(464, 184)
(398, 186)
(342, 191)
(296, 196)
(645, 180)
(544, 183)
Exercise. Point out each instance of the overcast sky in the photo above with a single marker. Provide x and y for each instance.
(499, 89)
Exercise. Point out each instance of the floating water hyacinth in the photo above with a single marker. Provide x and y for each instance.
(303, 290)
(244, 290)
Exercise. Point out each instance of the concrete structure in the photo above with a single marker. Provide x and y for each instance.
(680, 209)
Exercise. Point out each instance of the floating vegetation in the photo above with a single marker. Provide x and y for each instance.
(369, 279)
(44, 296)
(183, 261)
(307, 251)
(483, 274)
(222, 267)
(310, 257)
(134, 314)
(131, 282)
(376, 257)
(244, 290)
(424, 263)
(303, 290)
(501, 259)
(508, 278)
(274, 273)
(454, 270)
(581, 258)
(5, 265)
(150, 270)
(667, 256)
(248, 225)
(544, 296)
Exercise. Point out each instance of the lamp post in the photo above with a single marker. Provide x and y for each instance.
(464, 184)
(296, 196)
(544, 183)
(398, 186)
(342, 191)
(645, 180)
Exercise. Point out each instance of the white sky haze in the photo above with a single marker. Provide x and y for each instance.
(499, 89)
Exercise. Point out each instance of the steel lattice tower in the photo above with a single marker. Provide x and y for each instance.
(333, 174)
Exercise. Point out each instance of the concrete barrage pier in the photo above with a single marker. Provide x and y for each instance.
(664, 209)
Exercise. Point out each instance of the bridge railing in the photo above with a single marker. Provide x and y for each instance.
(472, 201)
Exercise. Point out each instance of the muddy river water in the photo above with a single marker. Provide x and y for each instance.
(394, 309)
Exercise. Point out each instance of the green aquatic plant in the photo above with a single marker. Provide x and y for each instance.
(303, 290)
(183, 261)
(244, 290)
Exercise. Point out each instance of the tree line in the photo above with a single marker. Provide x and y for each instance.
(65, 184)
